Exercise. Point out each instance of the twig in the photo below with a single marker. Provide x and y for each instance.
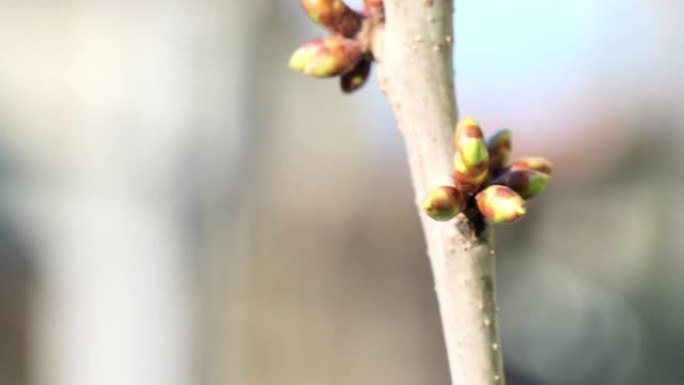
(415, 69)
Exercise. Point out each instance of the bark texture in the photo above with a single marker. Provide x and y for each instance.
(415, 69)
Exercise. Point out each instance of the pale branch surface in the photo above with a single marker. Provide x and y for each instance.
(415, 68)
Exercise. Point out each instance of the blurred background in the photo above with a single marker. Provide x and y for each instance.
(178, 208)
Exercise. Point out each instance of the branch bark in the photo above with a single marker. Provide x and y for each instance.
(414, 55)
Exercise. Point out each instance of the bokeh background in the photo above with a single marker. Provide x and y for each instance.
(178, 208)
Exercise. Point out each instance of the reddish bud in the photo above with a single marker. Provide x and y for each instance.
(500, 204)
(527, 183)
(536, 163)
(463, 124)
(471, 160)
(443, 203)
(334, 15)
(329, 56)
(356, 78)
(499, 147)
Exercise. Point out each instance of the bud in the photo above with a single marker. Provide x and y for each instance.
(499, 147)
(472, 158)
(325, 57)
(464, 123)
(467, 179)
(357, 77)
(527, 183)
(443, 203)
(536, 163)
(334, 15)
(500, 204)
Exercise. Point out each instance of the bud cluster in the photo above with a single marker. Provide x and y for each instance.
(344, 53)
(485, 178)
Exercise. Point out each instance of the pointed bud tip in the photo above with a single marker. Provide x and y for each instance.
(504, 133)
(467, 121)
(501, 138)
(470, 145)
(539, 181)
(467, 128)
(302, 56)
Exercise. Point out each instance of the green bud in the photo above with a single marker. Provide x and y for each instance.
(472, 158)
(499, 147)
(463, 124)
(527, 183)
(325, 57)
(536, 163)
(469, 142)
(305, 54)
(334, 15)
(443, 203)
(473, 152)
(356, 78)
(468, 179)
(500, 204)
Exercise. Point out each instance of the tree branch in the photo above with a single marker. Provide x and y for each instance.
(415, 69)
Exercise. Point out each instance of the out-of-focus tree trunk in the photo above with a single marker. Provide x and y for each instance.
(101, 110)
